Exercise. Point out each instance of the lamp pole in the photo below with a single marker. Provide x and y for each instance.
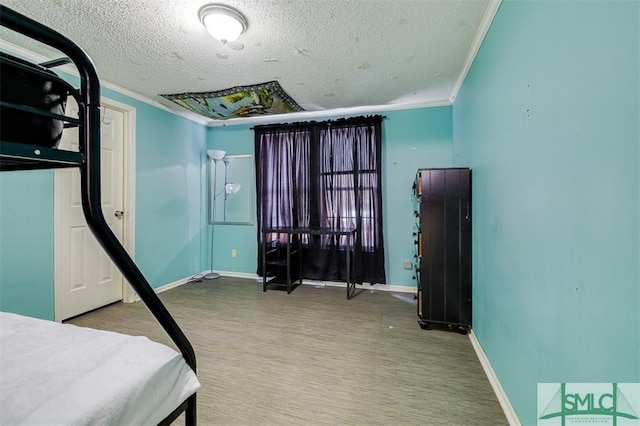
(212, 216)
(226, 194)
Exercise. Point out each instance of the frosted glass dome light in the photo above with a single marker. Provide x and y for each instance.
(222, 22)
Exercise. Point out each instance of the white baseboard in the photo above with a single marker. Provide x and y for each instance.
(233, 274)
(509, 412)
(172, 285)
(364, 286)
(158, 290)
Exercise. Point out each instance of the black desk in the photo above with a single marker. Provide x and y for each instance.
(348, 232)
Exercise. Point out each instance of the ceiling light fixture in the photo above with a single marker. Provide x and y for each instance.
(223, 23)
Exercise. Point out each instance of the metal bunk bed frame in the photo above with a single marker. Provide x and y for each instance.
(17, 156)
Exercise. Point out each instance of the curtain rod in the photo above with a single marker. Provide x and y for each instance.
(339, 121)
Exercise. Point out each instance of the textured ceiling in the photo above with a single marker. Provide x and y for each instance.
(325, 54)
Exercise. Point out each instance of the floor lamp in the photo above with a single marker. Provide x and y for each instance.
(214, 155)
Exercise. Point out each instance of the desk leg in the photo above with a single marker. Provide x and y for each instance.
(289, 264)
(349, 244)
(264, 262)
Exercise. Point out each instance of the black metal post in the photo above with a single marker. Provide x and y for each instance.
(89, 140)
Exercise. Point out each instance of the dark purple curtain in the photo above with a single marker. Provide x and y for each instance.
(326, 175)
(282, 165)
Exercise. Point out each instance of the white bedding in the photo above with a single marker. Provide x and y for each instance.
(60, 374)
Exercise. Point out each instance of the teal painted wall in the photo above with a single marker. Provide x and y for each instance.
(170, 164)
(170, 223)
(235, 140)
(548, 120)
(411, 139)
(26, 243)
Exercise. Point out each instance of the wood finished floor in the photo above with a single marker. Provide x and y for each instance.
(314, 358)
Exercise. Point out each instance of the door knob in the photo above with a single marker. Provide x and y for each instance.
(119, 214)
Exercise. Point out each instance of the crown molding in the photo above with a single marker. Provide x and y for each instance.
(483, 29)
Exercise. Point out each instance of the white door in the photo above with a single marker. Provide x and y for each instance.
(85, 277)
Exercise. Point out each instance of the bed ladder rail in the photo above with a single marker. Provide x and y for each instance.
(89, 141)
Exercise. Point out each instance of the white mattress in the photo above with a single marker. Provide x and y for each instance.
(55, 374)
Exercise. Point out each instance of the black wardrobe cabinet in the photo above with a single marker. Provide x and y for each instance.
(443, 247)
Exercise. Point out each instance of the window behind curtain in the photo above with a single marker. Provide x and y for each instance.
(349, 161)
(324, 175)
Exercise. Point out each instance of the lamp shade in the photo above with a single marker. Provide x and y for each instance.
(222, 22)
(216, 154)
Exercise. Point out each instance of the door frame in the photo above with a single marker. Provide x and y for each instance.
(129, 197)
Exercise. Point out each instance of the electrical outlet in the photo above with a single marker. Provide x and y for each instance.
(407, 264)
(234, 253)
